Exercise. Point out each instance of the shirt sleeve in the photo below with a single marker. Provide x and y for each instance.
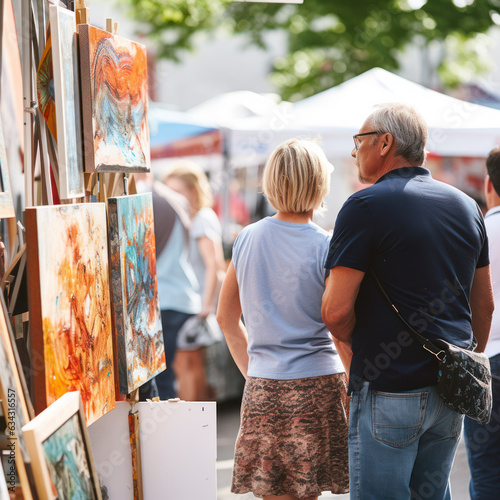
(206, 224)
(352, 242)
(324, 270)
(484, 258)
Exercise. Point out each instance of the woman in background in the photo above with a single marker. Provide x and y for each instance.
(292, 442)
(206, 256)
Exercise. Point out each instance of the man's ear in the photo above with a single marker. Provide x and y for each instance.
(386, 142)
(488, 184)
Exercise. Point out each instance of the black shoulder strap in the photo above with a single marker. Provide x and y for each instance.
(426, 343)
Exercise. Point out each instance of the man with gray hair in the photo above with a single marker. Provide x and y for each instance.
(426, 243)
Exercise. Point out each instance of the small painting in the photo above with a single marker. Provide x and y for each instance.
(67, 99)
(114, 102)
(67, 461)
(62, 458)
(137, 318)
(70, 319)
(6, 204)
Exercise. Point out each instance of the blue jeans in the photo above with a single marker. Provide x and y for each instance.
(401, 445)
(483, 446)
(171, 322)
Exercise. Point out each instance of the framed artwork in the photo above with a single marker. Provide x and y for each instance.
(114, 102)
(137, 319)
(70, 329)
(15, 406)
(60, 449)
(6, 204)
(67, 102)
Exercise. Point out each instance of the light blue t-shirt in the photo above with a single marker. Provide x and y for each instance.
(178, 289)
(281, 280)
(204, 224)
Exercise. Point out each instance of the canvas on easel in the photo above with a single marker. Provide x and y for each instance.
(70, 319)
(136, 311)
(114, 102)
(67, 102)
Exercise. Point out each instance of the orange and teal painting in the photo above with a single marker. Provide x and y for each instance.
(134, 290)
(70, 306)
(114, 102)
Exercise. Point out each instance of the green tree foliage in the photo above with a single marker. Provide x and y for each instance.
(172, 24)
(330, 41)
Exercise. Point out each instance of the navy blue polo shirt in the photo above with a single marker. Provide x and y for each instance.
(424, 239)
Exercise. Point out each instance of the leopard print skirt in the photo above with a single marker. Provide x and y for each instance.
(293, 437)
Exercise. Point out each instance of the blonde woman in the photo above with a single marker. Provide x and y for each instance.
(206, 256)
(292, 442)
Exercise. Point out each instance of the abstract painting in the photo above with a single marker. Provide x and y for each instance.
(60, 447)
(137, 319)
(67, 99)
(114, 102)
(70, 319)
(6, 205)
(45, 88)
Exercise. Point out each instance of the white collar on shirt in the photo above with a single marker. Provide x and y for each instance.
(492, 211)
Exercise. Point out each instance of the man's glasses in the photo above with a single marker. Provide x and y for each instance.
(356, 137)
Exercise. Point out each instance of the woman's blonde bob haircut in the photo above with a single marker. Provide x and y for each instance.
(296, 177)
(195, 178)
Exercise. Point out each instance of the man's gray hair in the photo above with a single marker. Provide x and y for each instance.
(407, 127)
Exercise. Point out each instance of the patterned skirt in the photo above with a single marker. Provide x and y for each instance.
(293, 437)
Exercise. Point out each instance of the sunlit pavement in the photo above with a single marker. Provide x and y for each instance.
(227, 429)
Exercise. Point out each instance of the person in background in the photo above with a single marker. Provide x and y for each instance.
(292, 442)
(238, 210)
(178, 290)
(483, 441)
(207, 259)
(426, 243)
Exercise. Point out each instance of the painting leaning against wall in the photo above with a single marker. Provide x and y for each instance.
(137, 319)
(114, 102)
(71, 334)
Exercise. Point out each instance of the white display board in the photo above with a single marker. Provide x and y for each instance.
(178, 445)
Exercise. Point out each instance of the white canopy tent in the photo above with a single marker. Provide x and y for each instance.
(456, 128)
(230, 107)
